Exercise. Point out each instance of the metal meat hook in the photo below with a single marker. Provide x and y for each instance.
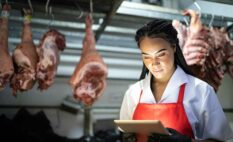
(30, 5)
(80, 9)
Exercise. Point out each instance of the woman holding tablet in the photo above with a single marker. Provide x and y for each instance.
(187, 106)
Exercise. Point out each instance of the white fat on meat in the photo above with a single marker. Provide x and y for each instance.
(21, 59)
(50, 50)
(90, 81)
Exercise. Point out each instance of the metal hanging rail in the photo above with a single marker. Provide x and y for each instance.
(152, 11)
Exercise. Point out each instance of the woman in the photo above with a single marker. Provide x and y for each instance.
(187, 106)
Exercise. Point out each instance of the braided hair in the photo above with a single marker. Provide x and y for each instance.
(159, 28)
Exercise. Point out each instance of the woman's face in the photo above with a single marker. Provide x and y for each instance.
(158, 57)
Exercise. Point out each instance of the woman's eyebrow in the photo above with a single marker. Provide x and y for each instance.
(156, 52)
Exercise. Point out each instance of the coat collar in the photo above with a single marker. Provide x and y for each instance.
(178, 78)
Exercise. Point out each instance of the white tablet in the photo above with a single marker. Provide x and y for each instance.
(141, 126)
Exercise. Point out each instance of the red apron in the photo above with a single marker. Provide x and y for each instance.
(172, 115)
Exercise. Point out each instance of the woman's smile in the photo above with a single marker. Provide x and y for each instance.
(157, 70)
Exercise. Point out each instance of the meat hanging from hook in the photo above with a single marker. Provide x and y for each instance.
(25, 58)
(198, 12)
(91, 9)
(7, 68)
(199, 8)
(30, 5)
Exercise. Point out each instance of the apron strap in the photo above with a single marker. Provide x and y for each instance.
(141, 85)
(140, 97)
(181, 93)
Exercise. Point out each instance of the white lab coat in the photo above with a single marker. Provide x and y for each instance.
(201, 104)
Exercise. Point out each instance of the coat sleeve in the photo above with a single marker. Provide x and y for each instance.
(213, 122)
(130, 101)
(125, 111)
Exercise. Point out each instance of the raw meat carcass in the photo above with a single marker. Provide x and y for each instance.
(206, 50)
(7, 68)
(49, 57)
(228, 60)
(196, 46)
(194, 42)
(25, 59)
(181, 32)
(214, 62)
(89, 78)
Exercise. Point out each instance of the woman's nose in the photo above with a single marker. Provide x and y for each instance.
(155, 61)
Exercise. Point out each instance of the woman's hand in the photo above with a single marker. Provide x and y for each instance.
(173, 137)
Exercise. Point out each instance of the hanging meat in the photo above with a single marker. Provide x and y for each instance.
(194, 42)
(89, 78)
(25, 58)
(49, 57)
(181, 32)
(214, 65)
(206, 50)
(196, 46)
(228, 61)
(6, 69)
